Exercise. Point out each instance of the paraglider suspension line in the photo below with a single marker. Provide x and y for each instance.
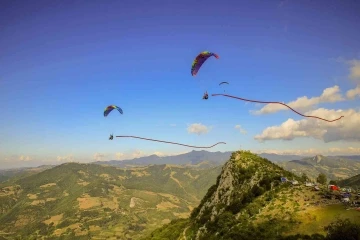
(175, 143)
(256, 101)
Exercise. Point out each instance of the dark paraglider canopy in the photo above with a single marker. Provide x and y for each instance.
(223, 83)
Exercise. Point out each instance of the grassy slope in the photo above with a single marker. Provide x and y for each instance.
(333, 167)
(100, 201)
(353, 182)
(8, 176)
(284, 209)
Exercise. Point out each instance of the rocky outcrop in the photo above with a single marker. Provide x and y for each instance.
(244, 177)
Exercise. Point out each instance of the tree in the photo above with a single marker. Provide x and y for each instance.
(304, 177)
(321, 179)
(343, 229)
(333, 182)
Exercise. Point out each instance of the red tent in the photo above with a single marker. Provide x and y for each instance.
(334, 188)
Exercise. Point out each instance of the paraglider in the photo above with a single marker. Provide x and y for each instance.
(199, 60)
(111, 137)
(108, 109)
(206, 96)
(223, 83)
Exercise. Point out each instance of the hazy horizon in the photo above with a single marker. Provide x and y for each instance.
(36, 163)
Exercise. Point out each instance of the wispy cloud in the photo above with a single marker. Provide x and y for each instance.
(353, 93)
(25, 158)
(354, 70)
(160, 154)
(241, 130)
(313, 151)
(99, 156)
(198, 128)
(137, 154)
(119, 155)
(68, 158)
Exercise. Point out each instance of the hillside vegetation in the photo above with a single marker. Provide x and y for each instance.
(353, 182)
(335, 168)
(101, 202)
(248, 201)
(17, 173)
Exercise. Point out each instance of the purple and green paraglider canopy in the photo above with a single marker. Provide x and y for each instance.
(108, 109)
(199, 60)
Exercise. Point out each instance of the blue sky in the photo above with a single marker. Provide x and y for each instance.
(63, 62)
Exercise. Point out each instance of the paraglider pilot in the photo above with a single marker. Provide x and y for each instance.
(111, 137)
(206, 96)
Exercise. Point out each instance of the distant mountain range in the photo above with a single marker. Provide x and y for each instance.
(353, 157)
(194, 158)
(334, 167)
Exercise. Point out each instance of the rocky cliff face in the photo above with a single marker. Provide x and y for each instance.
(243, 178)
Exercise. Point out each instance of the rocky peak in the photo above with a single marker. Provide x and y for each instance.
(318, 158)
(244, 177)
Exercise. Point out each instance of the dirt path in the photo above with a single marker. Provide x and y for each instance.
(178, 182)
(184, 234)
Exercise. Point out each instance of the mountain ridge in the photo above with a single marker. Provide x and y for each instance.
(192, 158)
(249, 201)
(333, 167)
(353, 182)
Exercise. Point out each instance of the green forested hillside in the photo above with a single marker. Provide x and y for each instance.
(100, 201)
(353, 182)
(248, 201)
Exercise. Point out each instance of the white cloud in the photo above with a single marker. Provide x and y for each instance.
(354, 70)
(348, 150)
(99, 156)
(329, 95)
(25, 158)
(346, 129)
(198, 128)
(138, 154)
(353, 93)
(313, 151)
(243, 131)
(68, 158)
(160, 154)
(354, 74)
(119, 155)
